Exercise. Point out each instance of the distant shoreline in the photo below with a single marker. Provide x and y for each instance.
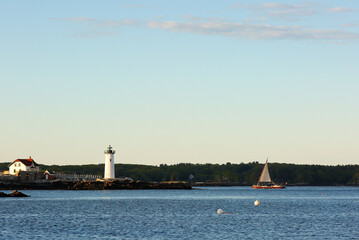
(127, 185)
(229, 174)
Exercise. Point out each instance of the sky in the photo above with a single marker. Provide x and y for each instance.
(202, 81)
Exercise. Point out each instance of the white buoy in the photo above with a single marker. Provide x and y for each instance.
(256, 203)
(219, 211)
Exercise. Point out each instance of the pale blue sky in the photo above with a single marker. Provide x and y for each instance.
(179, 81)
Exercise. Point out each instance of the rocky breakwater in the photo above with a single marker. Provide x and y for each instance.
(15, 193)
(96, 185)
(129, 185)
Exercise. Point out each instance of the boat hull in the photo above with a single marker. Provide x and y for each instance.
(268, 187)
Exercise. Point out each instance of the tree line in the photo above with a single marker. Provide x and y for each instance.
(243, 173)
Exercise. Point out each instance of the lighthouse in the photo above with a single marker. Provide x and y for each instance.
(109, 162)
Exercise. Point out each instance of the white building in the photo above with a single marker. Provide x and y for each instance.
(23, 165)
(109, 162)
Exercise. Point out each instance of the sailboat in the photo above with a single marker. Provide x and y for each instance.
(265, 181)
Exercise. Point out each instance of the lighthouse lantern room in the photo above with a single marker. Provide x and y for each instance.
(109, 162)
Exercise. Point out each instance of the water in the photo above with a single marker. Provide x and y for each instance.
(293, 213)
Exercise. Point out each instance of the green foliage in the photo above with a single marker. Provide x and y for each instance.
(244, 173)
(4, 166)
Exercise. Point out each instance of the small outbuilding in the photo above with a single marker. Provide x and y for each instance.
(49, 175)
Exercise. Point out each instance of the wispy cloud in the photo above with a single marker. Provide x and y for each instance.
(350, 25)
(136, 6)
(114, 23)
(94, 34)
(96, 27)
(280, 10)
(216, 27)
(99, 23)
(253, 31)
(74, 19)
(81, 19)
(340, 10)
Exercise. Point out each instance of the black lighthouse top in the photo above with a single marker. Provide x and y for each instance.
(109, 150)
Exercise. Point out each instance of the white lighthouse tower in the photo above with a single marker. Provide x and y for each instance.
(109, 162)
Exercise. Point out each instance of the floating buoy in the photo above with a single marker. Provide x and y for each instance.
(256, 203)
(219, 211)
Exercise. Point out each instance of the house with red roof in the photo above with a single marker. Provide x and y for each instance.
(26, 165)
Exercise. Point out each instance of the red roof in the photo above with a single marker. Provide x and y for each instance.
(27, 162)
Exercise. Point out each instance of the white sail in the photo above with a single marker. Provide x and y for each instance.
(265, 174)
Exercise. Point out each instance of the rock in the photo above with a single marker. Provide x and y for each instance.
(15, 193)
(3, 195)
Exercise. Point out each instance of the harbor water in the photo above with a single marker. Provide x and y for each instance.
(291, 213)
